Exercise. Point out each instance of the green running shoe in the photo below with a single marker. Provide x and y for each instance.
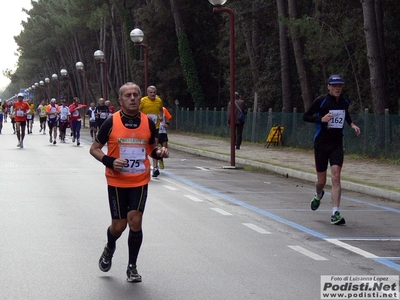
(336, 219)
(315, 202)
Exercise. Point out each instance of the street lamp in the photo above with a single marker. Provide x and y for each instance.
(55, 78)
(64, 73)
(33, 90)
(99, 57)
(137, 37)
(80, 67)
(218, 8)
(41, 83)
(176, 116)
(47, 80)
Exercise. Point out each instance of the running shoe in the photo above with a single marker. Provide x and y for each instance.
(78, 142)
(315, 202)
(156, 172)
(40, 130)
(73, 139)
(51, 139)
(21, 144)
(161, 163)
(54, 142)
(336, 219)
(44, 132)
(106, 259)
(132, 274)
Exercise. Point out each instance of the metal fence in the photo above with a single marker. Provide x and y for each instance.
(380, 134)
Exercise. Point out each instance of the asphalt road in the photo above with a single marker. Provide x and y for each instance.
(209, 232)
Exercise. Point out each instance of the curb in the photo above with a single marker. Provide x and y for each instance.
(287, 172)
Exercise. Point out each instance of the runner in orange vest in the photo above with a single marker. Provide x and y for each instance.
(130, 138)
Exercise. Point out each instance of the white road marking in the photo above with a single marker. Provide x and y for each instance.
(203, 169)
(256, 228)
(221, 211)
(193, 198)
(370, 239)
(170, 188)
(351, 248)
(307, 253)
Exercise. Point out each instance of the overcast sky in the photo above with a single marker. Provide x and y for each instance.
(11, 16)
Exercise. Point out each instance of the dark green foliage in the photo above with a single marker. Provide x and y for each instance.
(193, 65)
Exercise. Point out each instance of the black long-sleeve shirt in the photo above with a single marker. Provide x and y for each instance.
(332, 131)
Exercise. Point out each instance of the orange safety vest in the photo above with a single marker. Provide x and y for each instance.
(133, 145)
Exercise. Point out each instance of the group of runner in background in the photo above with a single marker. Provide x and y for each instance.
(57, 117)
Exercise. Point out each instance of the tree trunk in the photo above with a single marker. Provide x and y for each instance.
(287, 103)
(298, 53)
(186, 58)
(376, 68)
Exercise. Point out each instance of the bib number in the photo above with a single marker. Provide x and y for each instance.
(134, 154)
(337, 120)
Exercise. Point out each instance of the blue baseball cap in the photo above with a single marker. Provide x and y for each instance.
(335, 79)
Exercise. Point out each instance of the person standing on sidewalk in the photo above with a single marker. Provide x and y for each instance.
(20, 109)
(76, 120)
(152, 106)
(330, 112)
(130, 138)
(240, 114)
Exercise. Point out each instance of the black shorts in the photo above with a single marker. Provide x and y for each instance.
(63, 126)
(99, 122)
(92, 124)
(51, 123)
(162, 138)
(324, 153)
(42, 119)
(22, 124)
(123, 200)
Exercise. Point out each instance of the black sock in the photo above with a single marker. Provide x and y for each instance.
(135, 239)
(111, 239)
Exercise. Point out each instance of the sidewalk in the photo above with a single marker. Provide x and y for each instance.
(359, 175)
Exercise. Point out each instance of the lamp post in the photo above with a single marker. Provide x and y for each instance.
(33, 90)
(64, 73)
(176, 117)
(80, 67)
(99, 57)
(55, 78)
(218, 8)
(47, 80)
(137, 37)
(41, 83)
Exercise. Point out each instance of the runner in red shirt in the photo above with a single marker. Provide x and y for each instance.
(20, 109)
(111, 108)
(76, 120)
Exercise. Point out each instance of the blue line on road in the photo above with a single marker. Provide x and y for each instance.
(253, 208)
(304, 229)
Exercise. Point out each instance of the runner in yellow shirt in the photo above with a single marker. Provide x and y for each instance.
(30, 116)
(152, 106)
